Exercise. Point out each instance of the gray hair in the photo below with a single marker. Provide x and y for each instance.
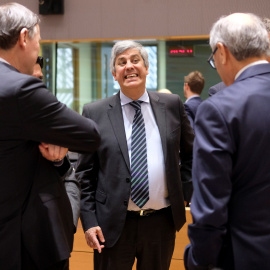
(244, 40)
(121, 46)
(13, 18)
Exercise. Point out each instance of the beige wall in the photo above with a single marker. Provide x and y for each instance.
(116, 19)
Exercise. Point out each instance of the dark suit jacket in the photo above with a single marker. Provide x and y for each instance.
(35, 212)
(105, 175)
(191, 108)
(216, 88)
(231, 177)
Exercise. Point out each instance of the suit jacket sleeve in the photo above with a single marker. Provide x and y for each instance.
(45, 119)
(186, 147)
(87, 174)
(212, 168)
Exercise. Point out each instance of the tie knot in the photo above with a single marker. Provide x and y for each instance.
(136, 104)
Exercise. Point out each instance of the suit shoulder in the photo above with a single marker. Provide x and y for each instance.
(222, 102)
(100, 104)
(16, 83)
(164, 97)
(13, 77)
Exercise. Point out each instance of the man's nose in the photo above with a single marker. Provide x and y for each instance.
(129, 65)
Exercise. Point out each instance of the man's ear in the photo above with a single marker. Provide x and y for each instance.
(223, 53)
(114, 75)
(22, 40)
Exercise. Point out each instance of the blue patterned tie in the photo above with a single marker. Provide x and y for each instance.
(139, 168)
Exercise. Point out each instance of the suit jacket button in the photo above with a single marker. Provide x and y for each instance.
(128, 180)
(125, 203)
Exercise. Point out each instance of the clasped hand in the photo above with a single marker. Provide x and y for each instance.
(52, 152)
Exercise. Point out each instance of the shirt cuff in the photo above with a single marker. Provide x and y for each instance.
(58, 163)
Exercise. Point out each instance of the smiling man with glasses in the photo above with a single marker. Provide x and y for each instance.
(230, 203)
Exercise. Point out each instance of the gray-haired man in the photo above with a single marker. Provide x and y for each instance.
(36, 223)
(124, 219)
(230, 203)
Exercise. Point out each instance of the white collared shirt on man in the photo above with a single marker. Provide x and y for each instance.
(158, 191)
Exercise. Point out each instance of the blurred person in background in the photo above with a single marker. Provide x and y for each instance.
(164, 90)
(193, 87)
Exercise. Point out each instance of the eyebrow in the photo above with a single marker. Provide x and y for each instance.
(133, 55)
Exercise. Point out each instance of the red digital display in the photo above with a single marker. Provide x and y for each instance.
(180, 51)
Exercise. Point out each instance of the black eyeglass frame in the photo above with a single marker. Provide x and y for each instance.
(211, 60)
(40, 61)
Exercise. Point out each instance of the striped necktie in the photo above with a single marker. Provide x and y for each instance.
(139, 168)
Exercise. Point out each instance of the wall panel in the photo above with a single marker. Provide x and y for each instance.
(105, 19)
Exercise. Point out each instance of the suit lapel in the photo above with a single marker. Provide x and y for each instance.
(159, 111)
(116, 117)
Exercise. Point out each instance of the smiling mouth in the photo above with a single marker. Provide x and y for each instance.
(131, 76)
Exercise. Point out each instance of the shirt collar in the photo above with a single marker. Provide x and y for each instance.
(249, 65)
(125, 100)
(194, 96)
(4, 61)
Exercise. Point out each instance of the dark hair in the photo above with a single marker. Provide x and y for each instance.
(40, 61)
(195, 81)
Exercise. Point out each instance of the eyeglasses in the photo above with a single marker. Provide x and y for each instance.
(211, 60)
(40, 61)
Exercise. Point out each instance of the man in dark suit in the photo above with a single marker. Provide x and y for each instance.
(193, 86)
(230, 203)
(219, 86)
(119, 223)
(36, 225)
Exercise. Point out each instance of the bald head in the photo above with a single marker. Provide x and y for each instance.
(165, 91)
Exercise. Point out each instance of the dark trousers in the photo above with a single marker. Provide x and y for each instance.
(150, 239)
(28, 263)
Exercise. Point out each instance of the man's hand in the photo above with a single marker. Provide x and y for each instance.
(92, 240)
(52, 152)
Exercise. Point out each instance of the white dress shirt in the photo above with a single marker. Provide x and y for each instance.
(158, 191)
